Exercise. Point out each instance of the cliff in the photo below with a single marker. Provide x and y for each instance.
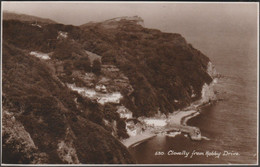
(63, 85)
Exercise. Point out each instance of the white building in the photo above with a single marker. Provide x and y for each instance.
(109, 98)
(101, 88)
(155, 122)
(124, 112)
(40, 55)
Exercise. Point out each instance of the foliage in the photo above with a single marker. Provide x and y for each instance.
(96, 68)
(46, 108)
(83, 64)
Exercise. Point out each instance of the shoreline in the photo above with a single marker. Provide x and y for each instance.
(180, 117)
(174, 118)
(135, 140)
(141, 141)
(177, 117)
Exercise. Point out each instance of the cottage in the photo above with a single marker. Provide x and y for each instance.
(124, 112)
(40, 55)
(59, 68)
(133, 128)
(101, 88)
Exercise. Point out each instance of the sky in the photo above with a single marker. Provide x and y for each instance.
(163, 14)
(202, 24)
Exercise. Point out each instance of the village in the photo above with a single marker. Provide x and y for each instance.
(107, 90)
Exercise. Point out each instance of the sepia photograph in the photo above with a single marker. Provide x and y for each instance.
(85, 83)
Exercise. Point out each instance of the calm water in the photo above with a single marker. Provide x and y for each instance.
(230, 124)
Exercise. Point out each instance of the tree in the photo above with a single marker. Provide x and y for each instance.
(109, 56)
(68, 67)
(96, 117)
(96, 68)
(83, 63)
(121, 129)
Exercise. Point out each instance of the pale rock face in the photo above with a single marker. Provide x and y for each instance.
(16, 130)
(15, 134)
(67, 152)
(207, 93)
(211, 70)
(40, 55)
(193, 93)
(106, 122)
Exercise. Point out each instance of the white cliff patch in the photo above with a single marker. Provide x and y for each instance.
(207, 93)
(44, 56)
(211, 70)
(193, 94)
(67, 152)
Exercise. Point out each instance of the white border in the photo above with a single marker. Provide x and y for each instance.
(123, 2)
(258, 84)
(1, 80)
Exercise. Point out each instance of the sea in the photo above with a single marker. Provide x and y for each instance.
(231, 124)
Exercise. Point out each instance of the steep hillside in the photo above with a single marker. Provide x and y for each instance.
(37, 102)
(165, 71)
(23, 17)
(68, 90)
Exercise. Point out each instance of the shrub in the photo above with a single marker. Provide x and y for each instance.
(96, 68)
(83, 64)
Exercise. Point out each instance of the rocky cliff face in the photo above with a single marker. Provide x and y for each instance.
(61, 102)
